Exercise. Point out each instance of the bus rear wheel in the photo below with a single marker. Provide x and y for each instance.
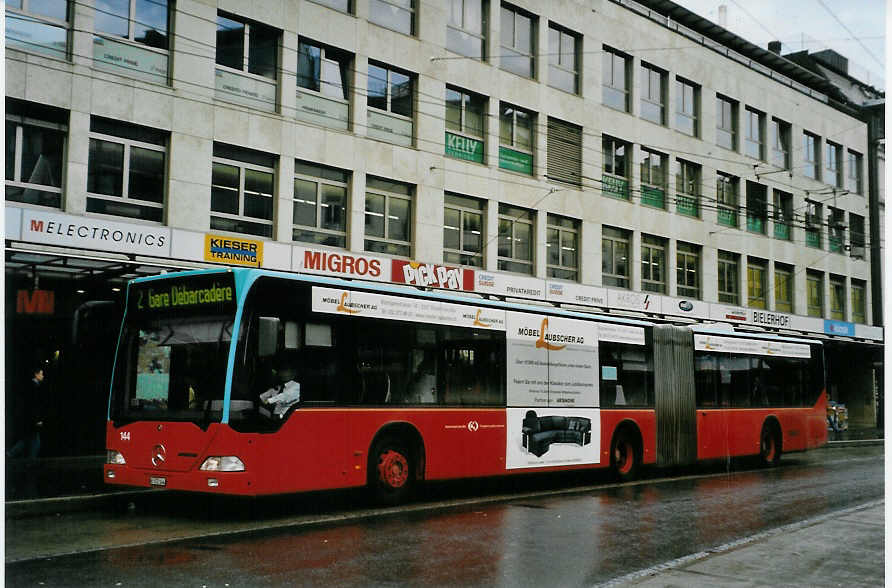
(769, 445)
(625, 459)
(391, 472)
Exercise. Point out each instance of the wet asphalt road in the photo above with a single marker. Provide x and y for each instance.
(530, 532)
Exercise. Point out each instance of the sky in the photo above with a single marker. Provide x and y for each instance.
(856, 29)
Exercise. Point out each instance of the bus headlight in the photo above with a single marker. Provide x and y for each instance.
(226, 463)
(114, 457)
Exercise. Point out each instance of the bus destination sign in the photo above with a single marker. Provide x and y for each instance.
(206, 293)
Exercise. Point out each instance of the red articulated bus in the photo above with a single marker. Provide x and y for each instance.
(253, 382)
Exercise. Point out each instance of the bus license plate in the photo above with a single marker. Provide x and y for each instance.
(158, 481)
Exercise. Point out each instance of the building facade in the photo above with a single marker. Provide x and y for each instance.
(607, 155)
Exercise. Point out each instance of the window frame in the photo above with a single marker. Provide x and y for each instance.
(20, 123)
(779, 135)
(513, 145)
(656, 198)
(512, 48)
(320, 182)
(756, 208)
(684, 254)
(558, 65)
(610, 277)
(837, 297)
(757, 283)
(783, 288)
(814, 282)
(859, 301)
(854, 172)
(399, 6)
(650, 96)
(728, 265)
(461, 204)
(562, 226)
(687, 173)
(402, 247)
(836, 230)
(331, 4)
(813, 221)
(246, 48)
(811, 155)
(388, 97)
(682, 103)
(242, 166)
(514, 216)
(833, 163)
(26, 15)
(462, 29)
(857, 236)
(755, 133)
(720, 121)
(608, 87)
(128, 145)
(783, 214)
(616, 184)
(727, 196)
(345, 62)
(467, 96)
(649, 246)
(131, 22)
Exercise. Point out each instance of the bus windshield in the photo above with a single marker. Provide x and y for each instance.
(172, 369)
(173, 351)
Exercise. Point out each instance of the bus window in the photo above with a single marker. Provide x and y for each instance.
(707, 377)
(627, 375)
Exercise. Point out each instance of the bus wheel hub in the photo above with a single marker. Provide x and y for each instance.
(393, 469)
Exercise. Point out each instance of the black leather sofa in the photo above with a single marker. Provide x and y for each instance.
(540, 432)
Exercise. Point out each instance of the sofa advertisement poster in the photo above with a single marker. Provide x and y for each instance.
(542, 437)
(552, 361)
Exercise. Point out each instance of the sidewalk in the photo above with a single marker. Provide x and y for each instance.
(840, 549)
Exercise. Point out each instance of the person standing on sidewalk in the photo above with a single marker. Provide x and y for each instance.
(32, 419)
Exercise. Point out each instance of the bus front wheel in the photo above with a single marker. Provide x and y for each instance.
(625, 458)
(391, 472)
(769, 445)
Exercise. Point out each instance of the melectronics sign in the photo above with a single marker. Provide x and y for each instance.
(77, 231)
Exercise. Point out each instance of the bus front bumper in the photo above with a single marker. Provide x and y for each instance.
(240, 483)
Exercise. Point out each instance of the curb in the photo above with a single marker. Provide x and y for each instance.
(76, 503)
(854, 443)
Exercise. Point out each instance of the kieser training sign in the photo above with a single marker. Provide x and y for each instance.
(233, 250)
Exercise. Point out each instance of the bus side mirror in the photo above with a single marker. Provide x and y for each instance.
(267, 336)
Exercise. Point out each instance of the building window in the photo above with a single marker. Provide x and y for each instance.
(323, 75)
(856, 236)
(339, 5)
(757, 283)
(756, 207)
(242, 189)
(853, 172)
(687, 113)
(837, 298)
(562, 247)
(396, 15)
(615, 270)
(466, 29)
(616, 79)
(814, 282)
(726, 122)
(779, 132)
(833, 161)
(653, 94)
(729, 287)
(463, 230)
(247, 62)
(516, 239)
(518, 42)
(465, 126)
(126, 170)
(726, 191)
(564, 152)
(38, 26)
(783, 288)
(615, 179)
(653, 178)
(813, 223)
(653, 264)
(319, 215)
(687, 187)
(35, 146)
(141, 23)
(811, 155)
(858, 302)
(563, 59)
(836, 230)
(388, 217)
(687, 270)
(515, 139)
(755, 134)
(390, 96)
(783, 215)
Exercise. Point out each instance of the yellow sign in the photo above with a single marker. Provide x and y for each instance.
(233, 250)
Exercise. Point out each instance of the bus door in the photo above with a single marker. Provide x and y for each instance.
(712, 380)
(675, 395)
